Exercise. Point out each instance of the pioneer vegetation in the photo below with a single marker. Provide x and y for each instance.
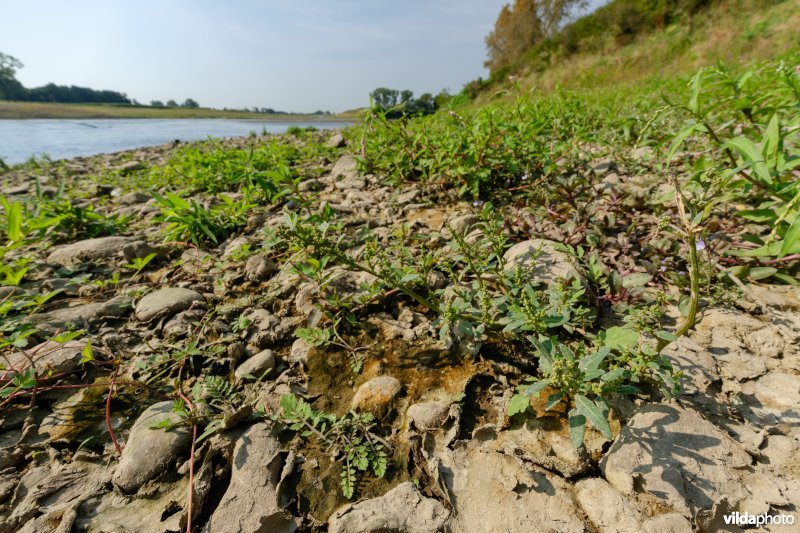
(567, 300)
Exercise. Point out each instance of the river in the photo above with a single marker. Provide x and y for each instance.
(65, 138)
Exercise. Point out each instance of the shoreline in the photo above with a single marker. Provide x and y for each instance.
(54, 111)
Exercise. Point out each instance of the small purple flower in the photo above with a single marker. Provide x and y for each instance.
(477, 203)
(525, 177)
(700, 245)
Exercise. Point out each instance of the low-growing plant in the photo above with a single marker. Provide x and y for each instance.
(351, 440)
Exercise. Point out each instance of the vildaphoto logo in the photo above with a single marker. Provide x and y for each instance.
(747, 519)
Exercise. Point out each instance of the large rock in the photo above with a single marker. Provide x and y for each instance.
(251, 502)
(48, 357)
(543, 260)
(81, 315)
(345, 174)
(87, 251)
(401, 509)
(491, 491)
(149, 451)
(376, 395)
(166, 302)
(606, 507)
(677, 456)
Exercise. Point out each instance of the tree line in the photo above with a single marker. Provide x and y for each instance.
(394, 103)
(12, 89)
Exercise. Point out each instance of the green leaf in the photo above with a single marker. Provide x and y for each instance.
(694, 104)
(577, 428)
(519, 403)
(666, 335)
(593, 361)
(594, 414)
(762, 272)
(636, 280)
(87, 354)
(750, 154)
(620, 338)
(759, 215)
(791, 239)
(536, 388)
(553, 400)
(771, 142)
(14, 222)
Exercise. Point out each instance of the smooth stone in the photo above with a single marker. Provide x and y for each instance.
(87, 250)
(256, 365)
(376, 395)
(166, 302)
(149, 452)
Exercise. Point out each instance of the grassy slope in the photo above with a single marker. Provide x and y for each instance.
(24, 110)
(737, 32)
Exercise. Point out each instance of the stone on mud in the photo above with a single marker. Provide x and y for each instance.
(376, 395)
(150, 451)
(251, 502)
(166, 302)
(545, 262)
(87, 250)
(428, 415)
(401, 509)
(677, 456)
(256, 365)
(259, 268)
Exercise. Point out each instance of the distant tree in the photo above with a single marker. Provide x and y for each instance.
(384, 98)
(10, 88)
(521, 26)
(190, 103)
(156, 103)
(172, 103)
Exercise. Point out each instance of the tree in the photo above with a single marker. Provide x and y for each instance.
(10, 88)
(190, 103)
(156, 103)
(521, 26)
(384, 98)
(172, 103)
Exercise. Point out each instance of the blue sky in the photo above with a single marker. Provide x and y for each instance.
(294, 55)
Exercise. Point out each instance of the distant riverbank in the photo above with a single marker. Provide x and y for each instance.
(31, 110)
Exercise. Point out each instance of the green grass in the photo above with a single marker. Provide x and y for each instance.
(25, 110)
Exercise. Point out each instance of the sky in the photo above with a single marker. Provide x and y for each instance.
(290, 55)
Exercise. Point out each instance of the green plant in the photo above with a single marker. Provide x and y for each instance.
(188, 220)
(351, 440)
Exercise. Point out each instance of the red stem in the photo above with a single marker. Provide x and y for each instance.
(191, 465)
(108, 413)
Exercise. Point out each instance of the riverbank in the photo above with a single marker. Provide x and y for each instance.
(32, 110)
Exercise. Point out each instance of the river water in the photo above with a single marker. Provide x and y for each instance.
(65, 138)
